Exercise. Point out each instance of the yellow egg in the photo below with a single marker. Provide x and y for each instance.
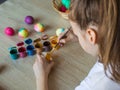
(39, 27)
(23, 33)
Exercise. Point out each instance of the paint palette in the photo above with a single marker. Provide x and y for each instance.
(30, 47)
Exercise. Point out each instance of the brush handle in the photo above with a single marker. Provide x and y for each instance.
(64, 36)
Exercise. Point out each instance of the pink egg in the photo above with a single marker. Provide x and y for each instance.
(9, 31)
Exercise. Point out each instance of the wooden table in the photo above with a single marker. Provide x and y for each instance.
(72, 63)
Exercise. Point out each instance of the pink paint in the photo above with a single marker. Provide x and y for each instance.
(22, 52)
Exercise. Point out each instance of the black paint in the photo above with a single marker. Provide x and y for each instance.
(2, 1)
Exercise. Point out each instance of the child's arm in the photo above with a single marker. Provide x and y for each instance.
(42, 69)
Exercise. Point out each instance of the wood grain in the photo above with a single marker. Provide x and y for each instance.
(71, 63)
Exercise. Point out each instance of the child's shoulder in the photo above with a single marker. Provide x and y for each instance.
(97, 80)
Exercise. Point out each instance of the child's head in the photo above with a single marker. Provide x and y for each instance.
(96, 23)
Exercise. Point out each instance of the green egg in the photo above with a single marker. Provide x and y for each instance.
(66, 3)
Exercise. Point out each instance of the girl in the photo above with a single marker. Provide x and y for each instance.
(96, 24)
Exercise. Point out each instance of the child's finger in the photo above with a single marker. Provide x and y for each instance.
(63, 41)
(51, 64)
(61, 35)
(39, 58)
(34, 63)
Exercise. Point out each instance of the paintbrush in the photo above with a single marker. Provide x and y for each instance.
(64, 36)
(48, 55)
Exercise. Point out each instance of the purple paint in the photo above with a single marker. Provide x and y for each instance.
(47, 46)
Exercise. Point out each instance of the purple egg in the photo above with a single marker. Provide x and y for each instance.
(29, 20)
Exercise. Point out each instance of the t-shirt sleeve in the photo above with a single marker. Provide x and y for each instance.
(94, 76)
(83, 86)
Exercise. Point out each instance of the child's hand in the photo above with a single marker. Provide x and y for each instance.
(42, 67)
(70, 36)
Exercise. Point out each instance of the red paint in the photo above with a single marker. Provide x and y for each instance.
(20, 44)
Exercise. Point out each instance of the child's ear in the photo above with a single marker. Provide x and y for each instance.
(91, 35)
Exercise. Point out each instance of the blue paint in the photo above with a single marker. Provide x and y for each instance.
(28, 41)
(11, 48)
(30, 50)
(14, 54)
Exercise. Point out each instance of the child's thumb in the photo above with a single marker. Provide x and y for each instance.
(63, 41)
(39, 58)
(51, 64)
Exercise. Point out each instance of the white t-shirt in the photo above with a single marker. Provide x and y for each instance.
(97, 80)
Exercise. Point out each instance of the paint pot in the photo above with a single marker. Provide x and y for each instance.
(47, 46)
(20, 44)
(14, 54)
(30, 50)
(53, 37)
(37, 40)
(38, 47)
(54, 43)
(28, 41)
(45, 37)
(22, 52)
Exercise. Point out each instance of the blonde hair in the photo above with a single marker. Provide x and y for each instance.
(106, 15)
